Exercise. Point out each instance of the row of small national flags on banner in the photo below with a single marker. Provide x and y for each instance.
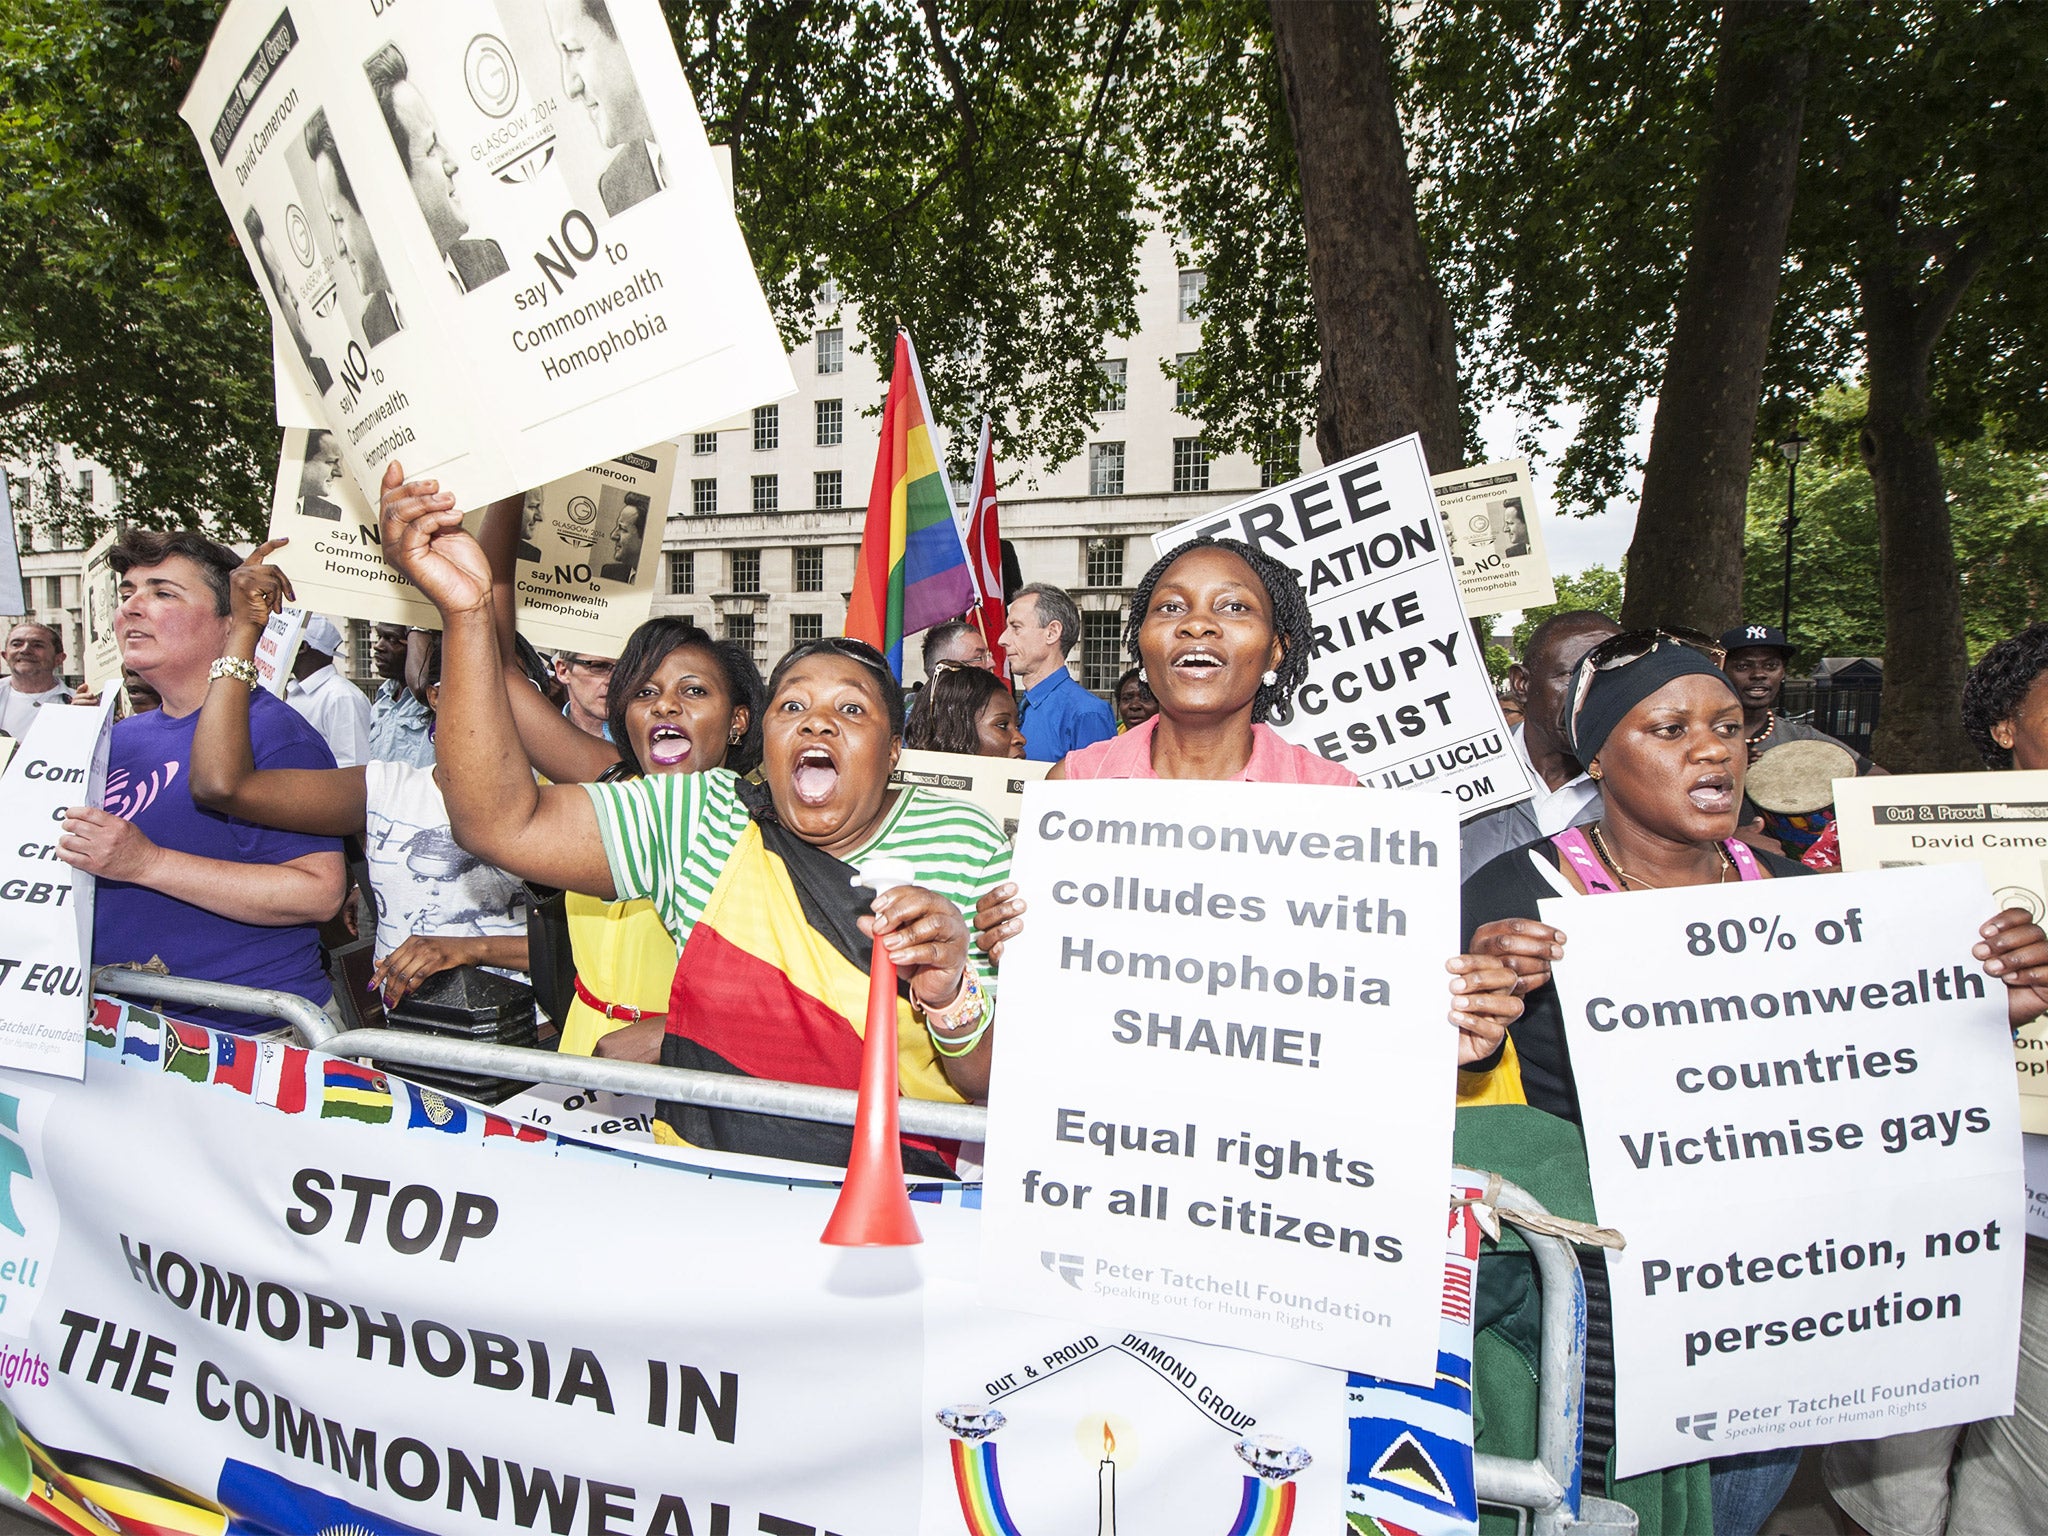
(285, 1077)
(918, 566)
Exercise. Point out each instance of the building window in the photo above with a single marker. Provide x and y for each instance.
(1281, 460)
(832, 351)
(703, 497)
(682, 573)
(828, 293)
(810, 570)
(825, 484)
(739, 627)
(362, 652)
(1102, 650)
(1184, 397)
(746, 570)
(1105, 469)
(1190, 464)
(1191, 282)
(53, 591)
(1105, 563)
(767, 427)
(703, 443)
(831, 423)
(806, 626)
(85, 484)
(767, 493)
(1116, 382)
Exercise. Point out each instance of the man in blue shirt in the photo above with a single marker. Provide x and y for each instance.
(1057, 714)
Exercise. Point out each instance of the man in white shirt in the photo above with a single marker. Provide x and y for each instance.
(330, 703)
(1565, 796)
(34, 653)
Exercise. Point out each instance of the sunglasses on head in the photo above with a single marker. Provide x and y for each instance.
(1617, 651)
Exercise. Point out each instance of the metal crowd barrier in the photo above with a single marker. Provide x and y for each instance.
(1543, 1492)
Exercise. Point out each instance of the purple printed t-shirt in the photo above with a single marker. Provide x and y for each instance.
(149, 773)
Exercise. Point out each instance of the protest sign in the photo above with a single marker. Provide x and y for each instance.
(1222, 1104)
(1397, 691)
(1496, 542)
(1799, 1111)
(277, 648)
(996, 784)
(491, 234)
(2037, 1185)
(1998, 821)
(589, 546)
(99, 594)
(12, 593)
(370, 1308)
(45, 905)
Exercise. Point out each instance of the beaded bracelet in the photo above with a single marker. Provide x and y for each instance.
(233, 666)
(967, 1003)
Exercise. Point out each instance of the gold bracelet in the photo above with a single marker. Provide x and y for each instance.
(235, 667)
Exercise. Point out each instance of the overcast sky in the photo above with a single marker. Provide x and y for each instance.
(1573, 543)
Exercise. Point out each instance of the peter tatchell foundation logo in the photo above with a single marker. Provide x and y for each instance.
(1700, 1424)
(1068, 1266)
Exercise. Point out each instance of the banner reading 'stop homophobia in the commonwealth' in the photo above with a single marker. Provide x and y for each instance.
(492, 235)
(339, 1301)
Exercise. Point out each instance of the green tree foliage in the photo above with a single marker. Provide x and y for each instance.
(129, 327)
(968, 167)
(1595, 588)
(1998, 507)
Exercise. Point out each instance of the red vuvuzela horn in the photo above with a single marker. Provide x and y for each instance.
(874, 1208)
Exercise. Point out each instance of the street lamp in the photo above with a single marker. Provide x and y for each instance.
(1790, 448)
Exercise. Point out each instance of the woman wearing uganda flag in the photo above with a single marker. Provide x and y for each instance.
(1655, 720)
(1221, 634)
(754, 881)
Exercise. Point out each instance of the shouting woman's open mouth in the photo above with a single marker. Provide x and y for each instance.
(816, 778)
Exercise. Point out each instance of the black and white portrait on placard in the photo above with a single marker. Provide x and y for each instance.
(622, 534)
(431, 167)
(1510, 527)
(380, 319)
(598, 78)
(318, 471)
(287, 297)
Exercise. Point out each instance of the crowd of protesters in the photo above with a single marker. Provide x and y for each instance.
(663, 842)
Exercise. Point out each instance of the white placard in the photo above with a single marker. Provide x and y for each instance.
(45, 905)
(589, 546)
(99, 594)
(2037, 1185)
(1489, 513)
(277, 648)
(1222, 1105)
(996, 784)
(492, 235)
(1997, 821)
(1799, 1109)
(1397, 691)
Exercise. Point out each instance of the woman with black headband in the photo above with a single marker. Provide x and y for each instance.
(1657, 723)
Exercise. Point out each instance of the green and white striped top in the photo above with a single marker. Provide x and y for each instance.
(667, 838)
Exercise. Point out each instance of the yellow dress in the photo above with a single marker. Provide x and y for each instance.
(623, 956)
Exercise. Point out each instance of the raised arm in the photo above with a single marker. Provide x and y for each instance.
(557, 748)
(546, 834)
(225, 778)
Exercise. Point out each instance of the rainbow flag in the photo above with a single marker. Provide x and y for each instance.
(912, 572)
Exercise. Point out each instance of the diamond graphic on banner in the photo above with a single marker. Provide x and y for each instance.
(1272, 1458)
(972, 1421)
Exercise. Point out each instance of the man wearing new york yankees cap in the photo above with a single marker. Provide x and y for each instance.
(1756, 664)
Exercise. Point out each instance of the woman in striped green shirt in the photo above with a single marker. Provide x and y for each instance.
(832, 732)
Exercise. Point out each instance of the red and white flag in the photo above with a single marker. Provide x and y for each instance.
(985, 553)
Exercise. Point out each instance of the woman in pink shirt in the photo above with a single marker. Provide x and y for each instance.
(1222, 635)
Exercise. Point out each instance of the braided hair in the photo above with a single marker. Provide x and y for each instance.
(1997, 686)
(1289, 605)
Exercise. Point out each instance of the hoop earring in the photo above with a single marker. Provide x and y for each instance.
(1270, 678)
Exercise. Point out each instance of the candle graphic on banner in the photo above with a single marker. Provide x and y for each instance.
(1105, 1485)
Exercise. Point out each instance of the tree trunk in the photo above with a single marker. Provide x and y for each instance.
(1685, 561)
(1926, 659)
(1389, 355)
